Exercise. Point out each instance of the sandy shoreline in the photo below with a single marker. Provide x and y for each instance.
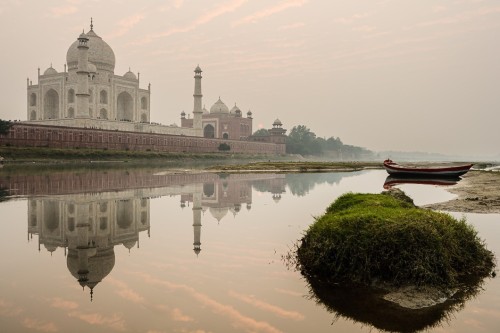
(478, 192)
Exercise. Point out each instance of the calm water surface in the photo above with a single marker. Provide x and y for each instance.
(142, 251)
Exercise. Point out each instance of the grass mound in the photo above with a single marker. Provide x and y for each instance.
(384, 239)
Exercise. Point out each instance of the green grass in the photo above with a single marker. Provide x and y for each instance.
(367, 239)
(56, 155)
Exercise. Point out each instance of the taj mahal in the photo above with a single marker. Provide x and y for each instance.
(88, 94)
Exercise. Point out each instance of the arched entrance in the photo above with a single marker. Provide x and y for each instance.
(124, 213)
(124, 107)
(33, 99)
(209, 131)
(103, 114)
(51, 105)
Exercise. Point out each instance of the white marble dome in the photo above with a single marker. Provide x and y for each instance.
(130, 75)
(219, 107)
(50, 71)
(100, 53)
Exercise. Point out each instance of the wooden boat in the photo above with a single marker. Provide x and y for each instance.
(414, 171)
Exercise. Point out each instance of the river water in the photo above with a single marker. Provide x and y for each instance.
(149, 251)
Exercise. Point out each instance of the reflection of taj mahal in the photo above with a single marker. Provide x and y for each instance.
(89, 225)
(88, 229)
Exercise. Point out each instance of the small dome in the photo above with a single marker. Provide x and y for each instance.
(277, 122)
(219, 107)
(129, 244)
(183, 113)
(205, 111)
(83, 36)
(50, 247)
(50, 71)
(198, 69)
(218, 212)
(100, 53)
(92, 68)
(235, 109)
(130, 75)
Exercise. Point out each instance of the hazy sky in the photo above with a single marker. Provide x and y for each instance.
(407, 75)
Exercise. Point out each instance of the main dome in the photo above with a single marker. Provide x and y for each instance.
(100, 53)
(219, 107)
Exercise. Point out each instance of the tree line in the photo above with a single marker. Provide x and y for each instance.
(301, 140)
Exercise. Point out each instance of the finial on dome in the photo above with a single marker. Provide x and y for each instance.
(91, 24)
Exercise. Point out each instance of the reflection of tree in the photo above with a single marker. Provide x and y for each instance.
(301, 183)
(366, 306)
(261, 186)
(3, 194)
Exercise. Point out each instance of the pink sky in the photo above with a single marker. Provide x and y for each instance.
(413, 76)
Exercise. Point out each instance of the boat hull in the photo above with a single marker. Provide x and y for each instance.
(455, 171)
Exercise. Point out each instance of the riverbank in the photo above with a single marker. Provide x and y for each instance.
(43, 155)
(478, 192)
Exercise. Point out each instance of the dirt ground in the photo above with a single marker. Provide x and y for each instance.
(478, 192)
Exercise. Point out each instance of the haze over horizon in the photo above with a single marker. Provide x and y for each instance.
(385, 75)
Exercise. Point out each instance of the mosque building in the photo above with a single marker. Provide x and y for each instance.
(220, 122)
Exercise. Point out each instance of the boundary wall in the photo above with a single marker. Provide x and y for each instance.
(32, 135)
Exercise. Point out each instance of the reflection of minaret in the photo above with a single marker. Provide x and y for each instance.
(197, 222)
(84, 249)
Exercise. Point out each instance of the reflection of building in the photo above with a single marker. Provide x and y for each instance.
(89, 213)
(88, 228)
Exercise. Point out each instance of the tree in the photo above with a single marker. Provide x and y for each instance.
(302, 141)
(224, 147)
(261, 132)
(4, 126)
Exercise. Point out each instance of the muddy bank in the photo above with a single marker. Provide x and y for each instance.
(478, 192)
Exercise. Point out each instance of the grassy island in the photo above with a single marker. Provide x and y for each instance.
(384, 239)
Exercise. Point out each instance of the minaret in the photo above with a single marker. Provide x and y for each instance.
(82, 89)
(197, 222)
(197, 111)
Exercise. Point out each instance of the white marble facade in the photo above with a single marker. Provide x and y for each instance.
(111, 97)
(115, 102)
